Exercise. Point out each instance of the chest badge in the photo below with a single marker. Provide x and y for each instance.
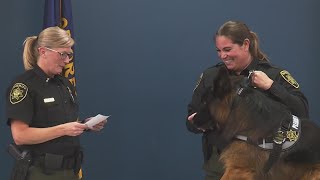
(18, 92)
(292, 135)
(287, 76)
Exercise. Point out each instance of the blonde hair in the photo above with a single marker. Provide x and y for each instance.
(52, 37)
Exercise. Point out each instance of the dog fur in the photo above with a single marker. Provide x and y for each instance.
(257, 116)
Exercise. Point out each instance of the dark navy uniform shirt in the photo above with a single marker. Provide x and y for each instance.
(41, 102)
(284, 89)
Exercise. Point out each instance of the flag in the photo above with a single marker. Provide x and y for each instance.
(59, 13)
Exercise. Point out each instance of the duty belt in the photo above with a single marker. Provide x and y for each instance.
(54, 162)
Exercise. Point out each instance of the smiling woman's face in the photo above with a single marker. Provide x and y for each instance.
(236, 57)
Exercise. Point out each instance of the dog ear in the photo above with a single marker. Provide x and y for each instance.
(222, 83)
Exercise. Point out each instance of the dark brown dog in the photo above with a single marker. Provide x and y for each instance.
(245, 117)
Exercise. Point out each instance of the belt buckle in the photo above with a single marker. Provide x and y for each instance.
(279, 137)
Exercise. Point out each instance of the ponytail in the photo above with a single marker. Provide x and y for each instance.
(30, 52)
(255, 49)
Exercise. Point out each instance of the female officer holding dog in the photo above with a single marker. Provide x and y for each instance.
(42, 110)
(238, 48)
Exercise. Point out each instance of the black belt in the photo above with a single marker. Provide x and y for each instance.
(54, 162)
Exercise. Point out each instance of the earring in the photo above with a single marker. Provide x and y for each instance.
(43, 54)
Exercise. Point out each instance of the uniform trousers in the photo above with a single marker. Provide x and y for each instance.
(37, 173)
(213, 167)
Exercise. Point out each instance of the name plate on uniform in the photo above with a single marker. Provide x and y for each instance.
(48, 100)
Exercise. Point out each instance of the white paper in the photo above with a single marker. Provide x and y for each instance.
(95, 120)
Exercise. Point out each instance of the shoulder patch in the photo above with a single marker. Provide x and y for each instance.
(287, 76)
(18, 92)
(198, 82)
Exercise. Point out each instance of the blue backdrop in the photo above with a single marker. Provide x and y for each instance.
(139, 61)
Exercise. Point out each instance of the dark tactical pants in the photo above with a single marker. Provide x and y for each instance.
(212, 167)
(36, 173)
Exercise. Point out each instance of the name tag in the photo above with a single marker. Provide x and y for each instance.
(48, 100)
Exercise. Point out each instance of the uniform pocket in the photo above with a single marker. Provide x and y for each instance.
(54, 111)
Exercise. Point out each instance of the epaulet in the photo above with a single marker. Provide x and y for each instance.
(273, 69)
(269, 64)
(24, 76)
(264, 63)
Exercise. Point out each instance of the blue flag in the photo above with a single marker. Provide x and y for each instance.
(59, 13)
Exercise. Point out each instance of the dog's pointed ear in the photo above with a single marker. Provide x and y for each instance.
(222, 83)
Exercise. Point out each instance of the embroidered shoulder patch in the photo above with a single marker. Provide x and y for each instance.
(198, 82)
(287, 76)
(18, 93)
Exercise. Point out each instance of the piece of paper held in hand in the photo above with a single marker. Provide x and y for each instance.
(95, 120)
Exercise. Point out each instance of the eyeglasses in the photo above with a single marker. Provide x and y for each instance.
(63, 55)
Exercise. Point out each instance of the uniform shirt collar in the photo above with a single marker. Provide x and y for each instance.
(43, 76)
(251, 66)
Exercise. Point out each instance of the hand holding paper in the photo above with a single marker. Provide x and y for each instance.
(96, 120)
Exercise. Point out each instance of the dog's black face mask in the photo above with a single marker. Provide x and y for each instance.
(203, 119)
(221, 86)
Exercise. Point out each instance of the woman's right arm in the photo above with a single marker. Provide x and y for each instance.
(23, 134)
